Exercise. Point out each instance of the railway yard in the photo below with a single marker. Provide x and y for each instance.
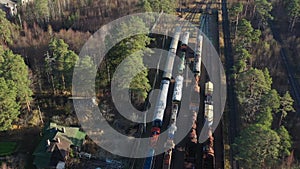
(191, 152)
(211, 17)
(149, 84)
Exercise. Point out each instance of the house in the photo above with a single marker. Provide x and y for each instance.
(55, 146)
(9, 7)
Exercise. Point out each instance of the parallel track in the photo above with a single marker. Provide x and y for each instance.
(231, 97)
(157, 161)
(295, 87)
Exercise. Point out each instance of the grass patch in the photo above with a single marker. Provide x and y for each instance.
(7, 148)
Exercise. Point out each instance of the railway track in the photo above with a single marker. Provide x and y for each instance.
(295, 87)
(157, 161)
(213, 32)
(210, 21)
(210, 26)
(231, 97)
(142, 128)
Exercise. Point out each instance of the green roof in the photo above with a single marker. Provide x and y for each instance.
(52, 131)
(7, 148)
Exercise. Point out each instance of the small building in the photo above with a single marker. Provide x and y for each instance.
(55, 146)
(10, 8)
(24, 2)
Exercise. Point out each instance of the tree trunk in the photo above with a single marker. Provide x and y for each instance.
(246, 8)
(39, 81)
(48, 76)
(292, 24)
(108, 72)
(260, 23)
(280, 120)
(53, 87)
(236, 25)
(59, 10)
(101, 12)
(63, 82)
(28, 105)
(253, 11)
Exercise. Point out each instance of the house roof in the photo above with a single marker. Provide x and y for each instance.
(67, 136)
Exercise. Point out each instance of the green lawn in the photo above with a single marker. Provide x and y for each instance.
(7, 148)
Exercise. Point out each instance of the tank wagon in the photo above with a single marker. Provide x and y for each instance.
(176, 100)
(162, 99)
(172, 54)
(161, 103)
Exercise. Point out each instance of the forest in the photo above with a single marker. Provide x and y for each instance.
(263, 97)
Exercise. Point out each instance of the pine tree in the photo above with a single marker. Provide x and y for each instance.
(8, 106)
(63, 63)
(131, 49)
(258, 147)
(85, 69)
(41, 10)
(263, 9)
(293, 8)
(247, 34)
(286, 106)
(235, 12)
(146, 6)
(5, 29)
(15, 92)
(251, 86)
(14, 69)
(285, 142)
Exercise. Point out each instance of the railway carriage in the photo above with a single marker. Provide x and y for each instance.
(171, 55)
(161, 104)
(209, 114)
(177, 94)
(184, 41)
(181, 65)
(184, 45)
(174, 114)
(209, 111)
(198, 54)
(209, 87)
